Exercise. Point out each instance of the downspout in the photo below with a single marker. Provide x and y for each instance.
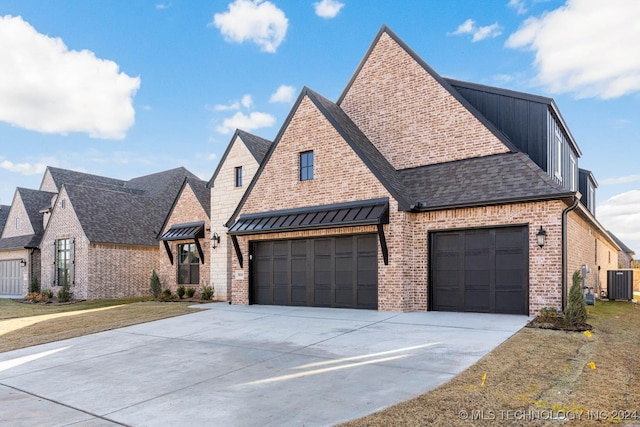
(565, 213)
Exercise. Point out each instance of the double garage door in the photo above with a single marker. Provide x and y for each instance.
(10, 278)
(320, 272)
(482, 270)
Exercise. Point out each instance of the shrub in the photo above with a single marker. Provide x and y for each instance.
(34, 286)
(65, 294)
(191, 292)
(181, 291)
(154, 284)
(548, 313)
(36, 297)
(576, 311)
(48, 293)
(166, 294)
(206, 293)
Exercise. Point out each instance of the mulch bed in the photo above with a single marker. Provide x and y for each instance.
(558, 324)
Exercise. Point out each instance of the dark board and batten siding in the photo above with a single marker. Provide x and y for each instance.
(568, 169)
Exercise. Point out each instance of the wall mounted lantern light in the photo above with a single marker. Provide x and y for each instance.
(23, 262)
(215, 239)
(542, 235)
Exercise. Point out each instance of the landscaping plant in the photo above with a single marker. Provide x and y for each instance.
(154, 284)
(206, 293)
(181, 291)
(191, 292)
(576, 311)
(34, 286)
(65, 294)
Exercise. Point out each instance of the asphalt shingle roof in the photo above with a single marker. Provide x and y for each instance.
(256, 145)
(500, 178)
(33, 201)
(620, 243)
(65, 176)
(202, 192)
(4, 213)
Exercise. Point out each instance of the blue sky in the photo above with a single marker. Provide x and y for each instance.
(124, 88)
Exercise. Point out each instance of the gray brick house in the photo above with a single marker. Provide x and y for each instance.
(415, 192)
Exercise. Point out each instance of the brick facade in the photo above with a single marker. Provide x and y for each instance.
(225, 197)
(187, 209)
(47, 183)
(588, 246)
(409, 116)
(17, 213)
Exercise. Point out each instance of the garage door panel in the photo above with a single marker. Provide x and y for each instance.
(326, 272)
(10, 278)
(484, 270)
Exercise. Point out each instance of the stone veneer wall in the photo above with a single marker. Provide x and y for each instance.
(410, 117)
(187, 209)
(225, 197)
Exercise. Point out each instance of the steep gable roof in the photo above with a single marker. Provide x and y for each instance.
(66, 176)
(257, 146)
(374, 160)
(443, 82)
(202, 193)
(33, 201)
(620, 243)
(480, 181)
(4, 213)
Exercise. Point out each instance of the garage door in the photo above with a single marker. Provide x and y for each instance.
(321, 272)
(10, 278)
(484, 270)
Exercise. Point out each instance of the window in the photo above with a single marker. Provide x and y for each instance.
(306, 165)
(574, 172)
(63, 261)
(238, 176)
(558, 170)
(592, 198)
(188, 264)
(17, 223)
(63, 203)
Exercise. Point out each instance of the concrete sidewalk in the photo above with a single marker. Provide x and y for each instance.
(244, 366)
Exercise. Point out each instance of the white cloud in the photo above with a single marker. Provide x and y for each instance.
(588, 48)
(246, 101)
(328, 8)
(241, 121)
(518, 6)
(283, 94)
(163, 6)
(27, 168)
(620, 180)
(258, 21)
(621, 215)
(478, 33)
(227, 107)
(48, 88)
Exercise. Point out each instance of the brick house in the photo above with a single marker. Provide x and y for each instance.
(101, 233)
(184, 250)
(21, 228)
(415, 192)
(233, 174)
(625, 255)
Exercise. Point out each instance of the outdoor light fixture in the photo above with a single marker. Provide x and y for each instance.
(23, 262)
(215, 239)
(541, 236)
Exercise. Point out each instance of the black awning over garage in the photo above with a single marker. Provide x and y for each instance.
(367, 212)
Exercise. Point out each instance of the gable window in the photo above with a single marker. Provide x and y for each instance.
(63, 261)
(558, 171)
(17, 223)
(592, 199)
(238, 176)
(188, 264)
(306, 165)
(63, 203)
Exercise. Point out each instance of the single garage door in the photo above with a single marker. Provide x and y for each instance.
(10, 278)
(483, 270)
(321, 272)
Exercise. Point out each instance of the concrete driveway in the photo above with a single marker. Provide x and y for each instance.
(244, 366)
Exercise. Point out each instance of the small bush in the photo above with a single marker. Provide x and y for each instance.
(48, 293)
(65, 294)
(166, 294)
(206, 293)
(34, 286)
(154, 284)
(191, 292)
(181, 291)
(36, 297)
(576, 311)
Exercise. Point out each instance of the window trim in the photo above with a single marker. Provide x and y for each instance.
(237, 176)
(307, 172)
(574, 170)
(65, 250)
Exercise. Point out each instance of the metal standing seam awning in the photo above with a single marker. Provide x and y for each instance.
(187, 231)
(350, 214)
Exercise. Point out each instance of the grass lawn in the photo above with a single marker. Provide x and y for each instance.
(124, 312)
(541, 374)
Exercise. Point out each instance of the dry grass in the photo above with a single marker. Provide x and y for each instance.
(131, 313)
(541, 373)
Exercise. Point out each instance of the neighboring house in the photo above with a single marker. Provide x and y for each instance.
(101, 233)
(625, 255)
(184, 247)
(406, 195)
(230, 180)
(19, 240)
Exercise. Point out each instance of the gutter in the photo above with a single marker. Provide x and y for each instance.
(565, 213)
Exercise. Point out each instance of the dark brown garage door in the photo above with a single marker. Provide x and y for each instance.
(322, 272)
(484, 270)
